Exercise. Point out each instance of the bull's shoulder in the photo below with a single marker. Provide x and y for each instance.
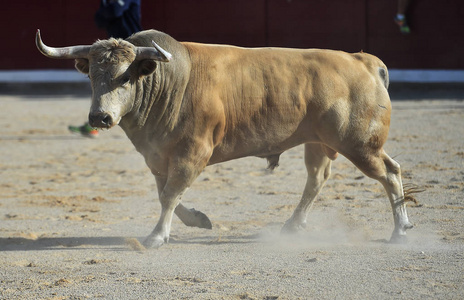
(212, 52)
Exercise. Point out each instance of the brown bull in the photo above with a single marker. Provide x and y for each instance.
(185, 106)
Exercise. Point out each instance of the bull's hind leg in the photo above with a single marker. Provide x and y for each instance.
(318, 168)
(387, 171)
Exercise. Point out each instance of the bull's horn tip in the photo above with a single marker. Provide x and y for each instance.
(38, 36)
(163, 52)
(38, 39)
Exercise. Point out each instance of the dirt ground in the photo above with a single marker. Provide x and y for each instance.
(72, 207)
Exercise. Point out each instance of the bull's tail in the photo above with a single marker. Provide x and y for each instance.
(383, 73)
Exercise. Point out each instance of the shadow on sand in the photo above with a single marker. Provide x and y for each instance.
(68, 243)
(109, 243)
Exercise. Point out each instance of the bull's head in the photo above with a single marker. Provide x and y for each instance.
(113, 66)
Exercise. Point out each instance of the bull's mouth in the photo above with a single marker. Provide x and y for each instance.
(100, 127)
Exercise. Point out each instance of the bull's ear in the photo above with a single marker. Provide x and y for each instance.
(146, 67)
(82, 65)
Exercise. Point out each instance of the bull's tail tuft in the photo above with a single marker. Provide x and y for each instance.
(409, 190)
(383, 73)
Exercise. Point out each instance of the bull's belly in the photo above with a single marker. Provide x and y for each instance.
(260, 148)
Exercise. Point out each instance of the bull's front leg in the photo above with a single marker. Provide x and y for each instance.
(160, 235)
(180, 176)
(190, 217)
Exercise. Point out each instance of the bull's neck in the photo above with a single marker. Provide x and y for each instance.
(159, 98)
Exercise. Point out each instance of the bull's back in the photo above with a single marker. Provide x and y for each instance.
(273, 98)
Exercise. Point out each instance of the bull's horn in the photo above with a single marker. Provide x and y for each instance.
(156, 53)
(65, 52)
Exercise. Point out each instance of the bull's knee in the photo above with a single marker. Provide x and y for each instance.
(320, 176)
(327, 172)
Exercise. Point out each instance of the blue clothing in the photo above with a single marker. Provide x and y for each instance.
(120, 18)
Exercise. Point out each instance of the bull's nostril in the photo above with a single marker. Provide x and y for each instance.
(100, 120)
(107, 120)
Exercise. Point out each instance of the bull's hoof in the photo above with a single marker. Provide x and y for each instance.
(290, 228)
(154, 242)
(399, 236)
(202, 220)
(408, 226)
(398, 239)
(193, 218)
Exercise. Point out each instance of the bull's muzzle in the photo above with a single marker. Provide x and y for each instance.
(101, 120)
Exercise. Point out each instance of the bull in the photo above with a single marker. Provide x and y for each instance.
(187, 105)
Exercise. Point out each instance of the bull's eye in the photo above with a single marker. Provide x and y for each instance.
(125, 80)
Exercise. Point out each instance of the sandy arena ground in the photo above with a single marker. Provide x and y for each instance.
(70, 208)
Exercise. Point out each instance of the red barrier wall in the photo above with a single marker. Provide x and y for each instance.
(436, 41)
